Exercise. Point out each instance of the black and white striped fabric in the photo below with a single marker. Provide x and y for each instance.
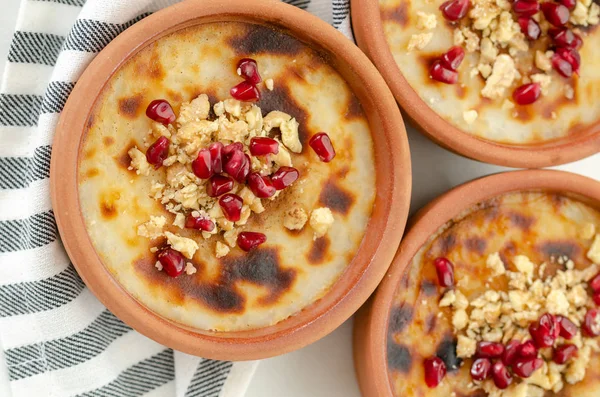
(56, 337)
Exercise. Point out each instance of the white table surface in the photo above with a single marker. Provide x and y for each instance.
(325, 368)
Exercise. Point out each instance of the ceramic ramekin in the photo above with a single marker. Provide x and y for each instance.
(371, 323)
(384, 230)
(368, 29)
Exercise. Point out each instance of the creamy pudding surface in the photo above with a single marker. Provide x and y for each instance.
(516, 314)
(523, 80)
(220, 213)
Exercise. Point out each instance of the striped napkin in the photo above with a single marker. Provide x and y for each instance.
(57, 338)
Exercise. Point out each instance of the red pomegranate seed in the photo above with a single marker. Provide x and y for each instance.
(453, 58)
(595, 283)
(444, 75)
(216, 156)
(158, 152)
(570, 4)
(245, 92)
(261, 186)
(526, 8)
(570, 55)
(545, 331)
(501, 375)
(202, 166)
(435, 370)
(489, 349)
(160, 110)
(556, 14)
(248, 69)
(172, 262)
(562, 37)
(199, 223)
(250, 240)
(564, 353)
(445, 271)
(591, 323)
(563, 67)
(231, 204)
(530, 28)
(510, 352)
(218, 185)
(596, 298)
(237, 164)
(527, 93)
(454, 10)
(525, 367)
(578, 42)
(480, 370)
(568, 329)
(228, 150)
(284, 177)
(323, 147)
(527, 350)
(260, 146)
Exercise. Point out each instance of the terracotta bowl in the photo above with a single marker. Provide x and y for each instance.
(385, 227)
(371, 323)
(368, 29)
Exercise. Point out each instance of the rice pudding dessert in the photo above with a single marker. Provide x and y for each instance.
(502, 301)
(516, 72)
(226, 176)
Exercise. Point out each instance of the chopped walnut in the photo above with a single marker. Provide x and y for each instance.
(295, 218)
(139, 162)
(594, 252)
(186, 246)
(195, 110)
(503, 75)
(495, 263)
(153, 228)
(470, 116)
(221, 250)
(269, 84)
(321, 220)
(426, 21)
(587, 231)
(543, 60)
(419, 41)
(190, 269)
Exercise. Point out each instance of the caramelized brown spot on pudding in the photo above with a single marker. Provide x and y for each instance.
(90, 153)
(130, 107)
(92, 172)
(400, 317)
(108, 141)
(150, 66)
(430, 323)
(219, 298)
(336, 198)
(398, 357)
(123, 160)
(446, 243)
(108, 203)
(428, 288)
(399, 14)
(476, 244)
(447, 352)
(262, 40)
(559, 248)
(354, 108)
(175, 96)
(521, 221)
(318, 250)
(281, 99)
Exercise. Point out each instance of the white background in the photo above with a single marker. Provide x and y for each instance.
(325, 368)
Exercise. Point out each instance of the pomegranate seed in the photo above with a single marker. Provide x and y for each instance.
(527, 350)
(568, 329)
(172, 261)
(489, 349)
(564, 353)
(250, 240)
(248, 69)
(563, 67)
(562, 37)
(231, 204)
(261, 186)
(527, 93)
(454, 10)
(570, 4)
(199, 223)
(246, 92)
(445, 272)
(510, 352)
(578, 42)
(453, 58)
(202, 166)
(218, 185)
(556, 14)
(444, 75)
(237, 164)
(545, 331)
(435, 370)
(321, 144)
(502, 378)
(228, 150)
(284, 177)
(595, 283)
(570, 55)
(526, 8)
(216, 156)
(596, 298)
(262, 146)
(160, 110)
(530, 28)
(525, 367)
(158, 152)
(480, 370)
(591, 323)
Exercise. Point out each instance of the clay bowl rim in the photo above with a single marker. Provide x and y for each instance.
(368, 29)
(385, 226)
(370, 331)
